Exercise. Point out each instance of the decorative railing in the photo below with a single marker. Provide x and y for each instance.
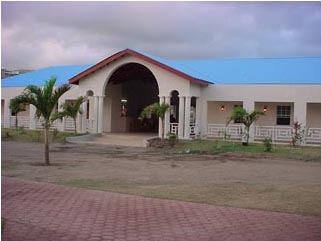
(193, 131)
(69, 124)
(173, 128)
(39, 123)
(23, 121)
(233, 131)
(276, 133)
(89, 124)
(313, 135)
(284, 134)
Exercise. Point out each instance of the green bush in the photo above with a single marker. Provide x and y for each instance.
(267, 142)
(172, 139)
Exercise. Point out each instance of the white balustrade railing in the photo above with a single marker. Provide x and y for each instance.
(193, 131)
(233, 131)
(313, 135)
(23, 121)
(89, 124)
(173, 128)
(276, 133)
(69, 124)
(284, 134)
(54, 125)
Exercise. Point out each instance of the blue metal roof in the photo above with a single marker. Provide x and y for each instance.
(302, 70)
(258, 70)
(297, 70)
(39, 77)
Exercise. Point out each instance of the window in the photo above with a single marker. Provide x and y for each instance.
(237, 121)
(283, 115)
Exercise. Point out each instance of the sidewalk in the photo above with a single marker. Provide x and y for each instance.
(43, 212)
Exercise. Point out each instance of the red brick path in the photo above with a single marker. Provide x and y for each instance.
(42, 212)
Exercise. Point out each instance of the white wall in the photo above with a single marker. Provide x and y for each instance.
(299, 95)
(166, 80)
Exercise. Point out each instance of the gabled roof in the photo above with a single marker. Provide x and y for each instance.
(303, 70)
(154, 60)
(38, 77)
(300, 70)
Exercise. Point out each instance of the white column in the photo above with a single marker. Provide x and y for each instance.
(32, 117)
(204, 119)
(100, 115)
(187, 117)
(61, 124)
(249, 105)
(198, 116)
(160, 128)
(7, 114)
(96, 103)
(167, 115)
(300, 113)
(181, 117)
(84, 117)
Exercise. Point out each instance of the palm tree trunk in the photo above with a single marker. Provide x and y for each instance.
(75, 123)
(46, 150)
(16, 121)
(163, 127)
(247, 130)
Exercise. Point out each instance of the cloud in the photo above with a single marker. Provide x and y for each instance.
(39, 34)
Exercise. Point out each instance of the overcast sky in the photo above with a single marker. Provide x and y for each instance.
(41, 34)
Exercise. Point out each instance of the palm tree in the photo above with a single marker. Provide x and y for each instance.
(45, 100)
(70, 110)
(157, 109)
(242, 116)
(16, 108)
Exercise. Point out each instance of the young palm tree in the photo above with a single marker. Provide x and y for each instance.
(247, 119)
(16, 108)
(71, 110)
(159, 110)
(44, 99)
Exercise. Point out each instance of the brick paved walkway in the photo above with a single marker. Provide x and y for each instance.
(38, 211)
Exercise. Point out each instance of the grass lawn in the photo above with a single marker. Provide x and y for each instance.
(215, 172)
(214, 147)
(26, 135)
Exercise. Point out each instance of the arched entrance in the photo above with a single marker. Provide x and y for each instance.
(129, 90)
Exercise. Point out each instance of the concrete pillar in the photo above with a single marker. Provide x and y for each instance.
(32, 117)
(198, 116)
(100, 115)
(181, 119)
(203, 120)
(95, 117)
(7, 114)
(300, 113)
(187, 117)
(249, 105)
(167, 116)
(160, 128)
(61, 124)
(84, 117)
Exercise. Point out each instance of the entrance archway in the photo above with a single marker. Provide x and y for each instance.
(130, 89)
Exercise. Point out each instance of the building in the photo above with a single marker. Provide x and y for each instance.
(201, 93)
(5, 73)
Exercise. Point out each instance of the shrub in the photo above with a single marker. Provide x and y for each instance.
(267, 142)
(172, 139)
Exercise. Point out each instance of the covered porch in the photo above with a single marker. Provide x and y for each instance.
(277, 123)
